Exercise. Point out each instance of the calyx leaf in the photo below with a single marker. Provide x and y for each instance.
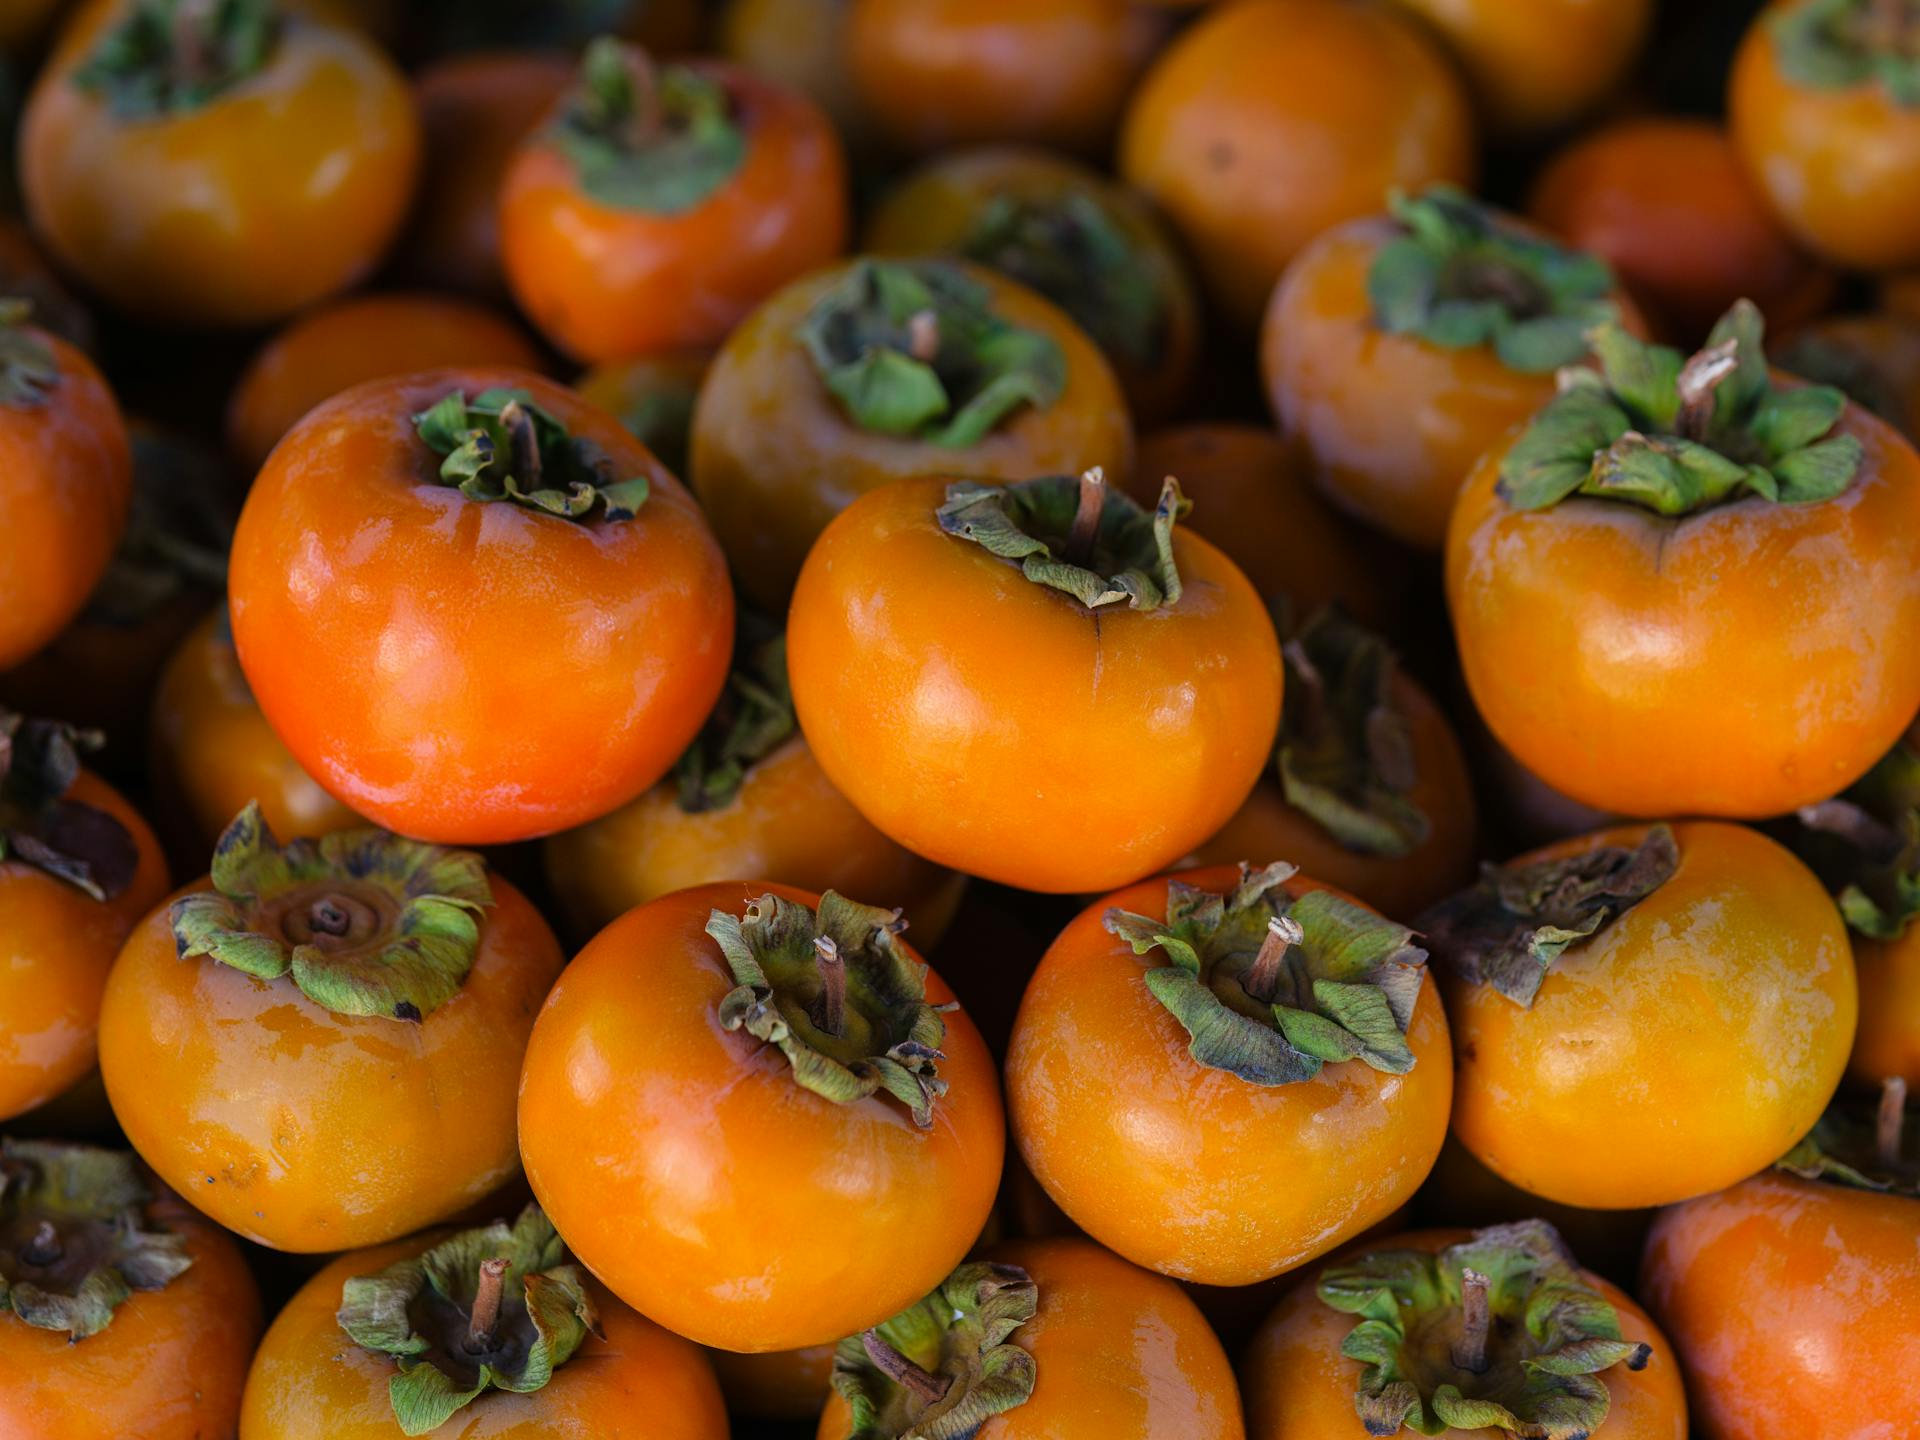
(421, 1312)
(1270, 987)
(365, 922)
(1507, 929)
(171, 57)
(75, 1240)
(1550, 1337)
(502, 446)
(39, 826)
(1460, 276)
(1863, 1145)
(913, 348)
(1345, 756)
(753, 718)
(1843, 44)
(1675, 435)
(961, 1338)
(28, 369)
(834, 992)
(1865, 844)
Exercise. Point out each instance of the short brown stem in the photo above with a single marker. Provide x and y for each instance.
(1262, 979)
(902, 1371)
(44, 1248)
(524, 457)
(329, 917)
(1476, 1320)
(1890, 1131)
(830, 1006)
(923, 336)
(1700, 378)
(193, 50)
(485, 1316)
(1086, 519)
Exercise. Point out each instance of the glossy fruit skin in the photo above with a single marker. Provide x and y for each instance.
(1119, 1354)
(1269, 121)
(1840, 168)
(1795, 1306)
(66, 481)
(352, 568)
(57, 944)
(1666, 202)
(1035, 746)
(775, 1385)
(309, 1131)
(169, 1367)
(1394, 424)
(775, 457)
(686, 1168)
(1669, 619)
(1398, 886)
(351, 341)
(1298, 1386)
(1192, 1171)
(475, 110)
(787, 822)
(281, 190)
(935, 74)
(633, 1382)
(604, 283)
(1692, 1041)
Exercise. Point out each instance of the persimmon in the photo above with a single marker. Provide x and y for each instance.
(1461, 1334)
(1644, 1014)
(776, 1384)
(1645, 525)
(1874, 358)
(1368, 790)
(1267, 122)
(494, 1327)
(348, 342)
(1664, 201)
(660, 204)
(747, 798)
(317, 1044)
(1093, 247)
(836, 386)
(1040, 1340)
(1400, 348)
(801, 44)
(1823, 104)
(1226, 1074)
(225, 165)
(122, 1313)
(754, 1114)
(367, 546)
(934, 74)
(78, 869)
(25, 274)
(1108, 702)
(66, 486)
(1793, 1298)
(653, 396)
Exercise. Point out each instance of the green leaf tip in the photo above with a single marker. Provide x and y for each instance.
(1508, 928)
(1676, 435)
(1271, 987)
(76, 843)
(754, 718)
(1850, 44)
(945, 1366)
(75, 1239)
(1501, 1331)
(1865, 844)
(494, 1308)
(500, 445)
(167, 58)
(915, 349)
(364, 921)
(836, 993)
(1459, 276)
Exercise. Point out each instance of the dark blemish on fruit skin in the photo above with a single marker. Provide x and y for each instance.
(407, 1010)
(1220, 155)
(1464, 1052)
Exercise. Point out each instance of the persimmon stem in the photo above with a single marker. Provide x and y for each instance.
(1262, 979)
(485, 1316)
(1700, 378)
(1086, 519)
(523, 458)
(830, 1007)
(902, 1371)
(193, 57)
(44, 1248)
(1890, 1130)
(923, 336)
(329, 917)
(1476, 1321)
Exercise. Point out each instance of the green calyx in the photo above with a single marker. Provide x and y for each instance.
(914, 349)
(39, 826)
(75, 1243)
(1080, 537)
(1270, 987)
(1508, 929)
(1866, 844)
(1076, 251)
(754, 717)
(497, 1308)
(502, 446)
(1863, 1145)
(365, 922)
(838, 995)
(1499, 1332)
(177, 536)
(942, 1368)
(1676, 435)
(1841, 44)
(658, 139)
(28, 369)
(170, 57)
(1459, 277)
(1346, 751)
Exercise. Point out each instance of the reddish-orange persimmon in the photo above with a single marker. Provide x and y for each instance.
(470, 664)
